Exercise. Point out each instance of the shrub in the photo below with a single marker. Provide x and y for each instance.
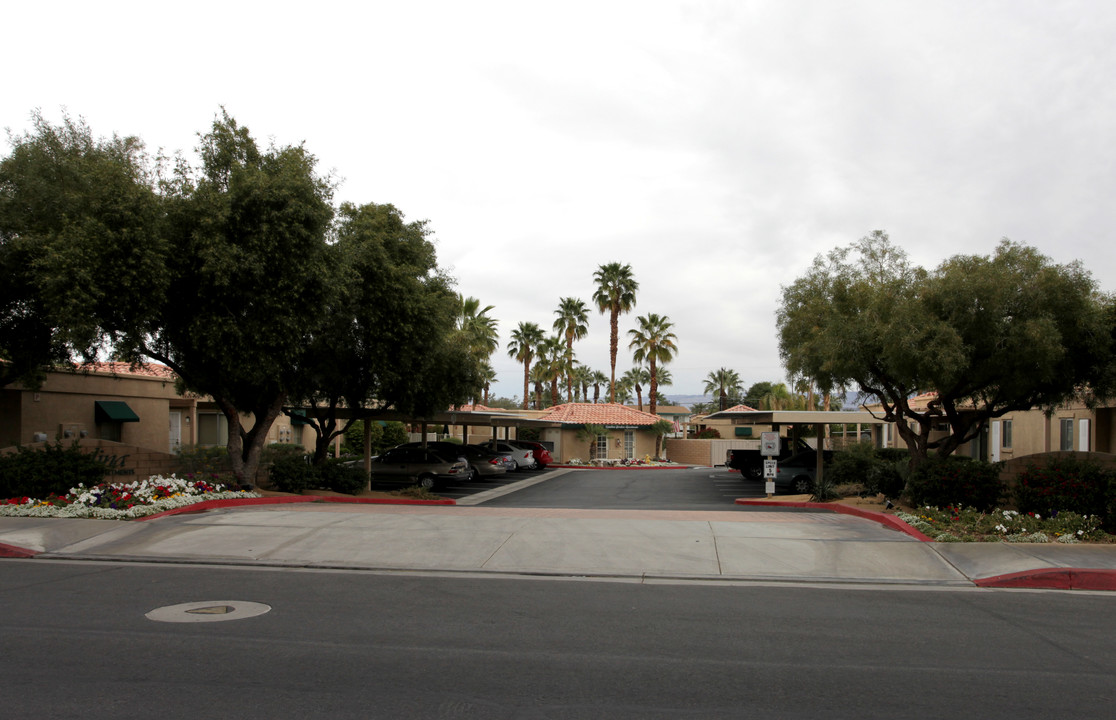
(55, 469)
(871, 467)
(708, 434)
(291, 473)
(956, 481)
(203, 460)
(340, 477)
(1065, 484)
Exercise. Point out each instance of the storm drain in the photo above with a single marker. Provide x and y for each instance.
(208, 611)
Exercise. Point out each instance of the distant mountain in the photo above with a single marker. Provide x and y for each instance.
(688, 400)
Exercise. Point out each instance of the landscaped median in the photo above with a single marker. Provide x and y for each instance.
(161, 496)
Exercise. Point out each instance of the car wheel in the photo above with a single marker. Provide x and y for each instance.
(752, 472)
(427, 482)
(802, 485)
(472, 474)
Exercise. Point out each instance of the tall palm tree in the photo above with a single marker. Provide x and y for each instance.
(488, 374)
(573, 323)
(635, 378)
(723, 383)
(616, 289)
(539, 377)
(653, 342)
(598, 379)
(524, 342)
(477, 326)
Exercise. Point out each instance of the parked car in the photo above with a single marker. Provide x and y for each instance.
(796, 474)
(506, 458)
(483, 463)
(542, 455)
(523, 458)
(427, 468)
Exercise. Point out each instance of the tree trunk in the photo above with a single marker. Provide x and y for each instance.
(245, 447)
(654, 383)
(614, 321)
(526, 380)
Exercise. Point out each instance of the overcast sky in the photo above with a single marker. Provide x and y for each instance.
(717, 147)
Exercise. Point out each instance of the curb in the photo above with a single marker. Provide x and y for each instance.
(247, 502)
(884, 519)
(13, 551)
(622, 467)
(1053, 579)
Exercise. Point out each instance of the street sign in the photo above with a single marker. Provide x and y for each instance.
(770, 466)
(769, 444)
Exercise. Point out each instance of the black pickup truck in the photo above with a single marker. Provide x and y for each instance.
(750, 462)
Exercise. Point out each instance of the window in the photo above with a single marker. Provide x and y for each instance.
(629, 444)
(1067, 434)
(213, 429)
(601, 448)
(1005, 434)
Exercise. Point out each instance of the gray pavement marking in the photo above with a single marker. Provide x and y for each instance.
(478, 498)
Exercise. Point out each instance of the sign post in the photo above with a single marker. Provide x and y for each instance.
(769, 450)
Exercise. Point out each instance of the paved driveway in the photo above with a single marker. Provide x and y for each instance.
(684, 489)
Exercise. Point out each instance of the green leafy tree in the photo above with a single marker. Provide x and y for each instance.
(387, 334)
(80, 251)
(523, 345)
(757, 392)
(724, 384)
(573, 324)
(654, 343)
(248, 229)
(615, 294)
(988, 334)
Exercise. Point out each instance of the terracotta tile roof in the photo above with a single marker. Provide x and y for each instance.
(599, 414)
(740, 408)
(474, 408)
(123, 368)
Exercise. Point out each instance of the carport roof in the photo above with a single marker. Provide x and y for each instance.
(798, 417)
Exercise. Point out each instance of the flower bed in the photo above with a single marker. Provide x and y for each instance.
(955, 524)
(123, 501)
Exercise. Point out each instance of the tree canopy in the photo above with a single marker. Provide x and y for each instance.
(236, 272)
(986, 334)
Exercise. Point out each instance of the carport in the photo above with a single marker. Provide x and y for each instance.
(777, 419)
(465, 418)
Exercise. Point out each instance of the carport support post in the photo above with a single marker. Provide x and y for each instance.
(819, 429)
(368, 454)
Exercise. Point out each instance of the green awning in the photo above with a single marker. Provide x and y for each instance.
(113, 411)
(298, 417)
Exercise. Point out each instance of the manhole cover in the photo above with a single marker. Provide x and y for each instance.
(208, 611)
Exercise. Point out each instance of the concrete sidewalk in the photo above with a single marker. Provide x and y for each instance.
(805, 546)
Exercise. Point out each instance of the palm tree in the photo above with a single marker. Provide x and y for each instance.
(552, 356)
(582, 378)
(524, 342)
(635, 378)
(488, 374)
(477, 326)
(654, 344)
(538, 377)
(573, 323)
(616, 289)
(723, 383)
(598, 378)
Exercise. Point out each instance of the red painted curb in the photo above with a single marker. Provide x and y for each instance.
(623, 467)
(1053, 579)
(242, 502)
(14, 551)
(882, 518)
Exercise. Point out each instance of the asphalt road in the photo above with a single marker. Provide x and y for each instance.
(685, 489)
(77, 644)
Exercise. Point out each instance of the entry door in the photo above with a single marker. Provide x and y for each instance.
(994, 445)
(175, 431)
